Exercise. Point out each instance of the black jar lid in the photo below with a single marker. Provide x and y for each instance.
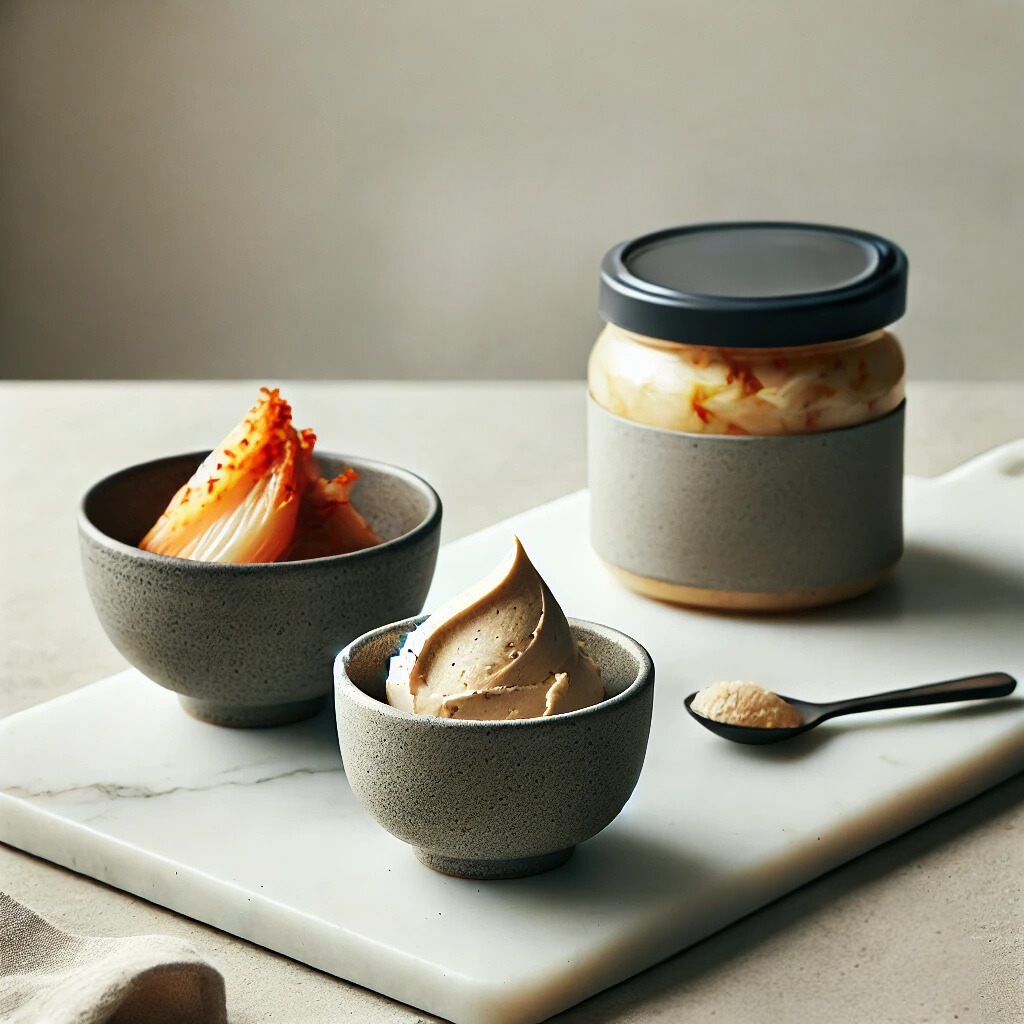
(754, 284)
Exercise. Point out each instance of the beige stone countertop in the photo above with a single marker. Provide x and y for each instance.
(927, 928)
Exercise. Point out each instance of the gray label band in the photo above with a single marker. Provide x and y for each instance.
(752, 514)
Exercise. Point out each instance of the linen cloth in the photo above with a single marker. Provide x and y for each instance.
(49, 976)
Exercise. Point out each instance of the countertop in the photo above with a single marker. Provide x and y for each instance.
(929, 927)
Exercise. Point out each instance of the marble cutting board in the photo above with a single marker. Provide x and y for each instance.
(257, 833)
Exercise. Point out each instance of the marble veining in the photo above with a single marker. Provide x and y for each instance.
(115, 790)
(257, 832)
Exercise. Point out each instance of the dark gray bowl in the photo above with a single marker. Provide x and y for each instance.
(251, 645)
(494, 799)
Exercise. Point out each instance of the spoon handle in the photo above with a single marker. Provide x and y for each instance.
(994, 684)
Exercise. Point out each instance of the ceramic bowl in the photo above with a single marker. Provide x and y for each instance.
(493, 799)
(746, 523)
(251, 645)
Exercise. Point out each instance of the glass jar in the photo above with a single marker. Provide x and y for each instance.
(769, 342)
(700, 390)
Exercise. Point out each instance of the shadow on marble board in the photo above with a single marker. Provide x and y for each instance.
(721, 952)
(319, 733)
(928, 583)
(933, 581)
(620, 866)
(936, 582)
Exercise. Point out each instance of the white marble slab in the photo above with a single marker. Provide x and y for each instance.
(258, 834)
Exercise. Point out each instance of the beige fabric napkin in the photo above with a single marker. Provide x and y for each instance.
(48, 976)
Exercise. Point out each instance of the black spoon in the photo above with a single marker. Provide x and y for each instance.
(995, 684)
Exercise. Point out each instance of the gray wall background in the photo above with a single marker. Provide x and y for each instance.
(325, 188)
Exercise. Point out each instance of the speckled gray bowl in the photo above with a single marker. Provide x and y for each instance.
(251, 645)
(494, 799)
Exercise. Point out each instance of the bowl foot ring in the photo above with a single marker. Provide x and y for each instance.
(516, 867)
(251, 716)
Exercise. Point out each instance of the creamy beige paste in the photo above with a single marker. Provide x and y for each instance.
(746, 704)
(500, 650)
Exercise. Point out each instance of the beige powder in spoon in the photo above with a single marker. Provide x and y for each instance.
(746, 704)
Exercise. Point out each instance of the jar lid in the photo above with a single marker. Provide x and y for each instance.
(754, 284)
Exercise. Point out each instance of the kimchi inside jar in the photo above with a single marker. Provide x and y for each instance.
(711, 390)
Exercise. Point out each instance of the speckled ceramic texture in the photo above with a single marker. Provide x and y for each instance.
(743, 513)
(494, 799)
(251, 645)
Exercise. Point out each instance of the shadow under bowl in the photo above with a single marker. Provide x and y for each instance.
(489, 800)
(251, 645)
